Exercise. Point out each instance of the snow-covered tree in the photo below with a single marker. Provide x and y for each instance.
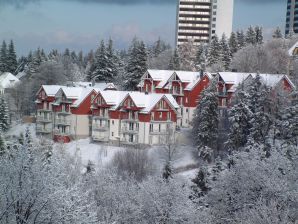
(214, 51)
(233, 43)
(200, 184)
(201, 59)
(241, 39)
(3, 57)
(4, 115)
(252, 183)
(250, 37)
(205, 121)
(12, 63)
(175, 61)
(2, 144)
(187, 55)
(112, 62)
(277, 33)
(225, 53)
(259, 35)
(239, 118)
(34, 192)
(137, 64)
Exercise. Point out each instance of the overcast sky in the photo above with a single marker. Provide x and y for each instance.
(80, 24)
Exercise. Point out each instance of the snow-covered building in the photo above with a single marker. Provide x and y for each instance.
(134, 117)
(228, 82)
(64, 113)
(183, 85)
(97, 85)
(7, 80)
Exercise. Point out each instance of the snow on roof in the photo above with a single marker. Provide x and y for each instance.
(113, 97)
(291, 50)
(186, 76)
(235, 78)
(51, 90)
(98, 85)
(21, 75)
(191, 85)
(8, 80)
(84, 94)
(72, 92)
(159, 75)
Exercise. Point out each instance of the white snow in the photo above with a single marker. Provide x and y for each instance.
(50, 90)
(8, 80)
(17, 129)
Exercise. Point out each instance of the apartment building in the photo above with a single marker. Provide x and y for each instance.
(134, 118)
(184, 86)
(200, 20)
(292, 17)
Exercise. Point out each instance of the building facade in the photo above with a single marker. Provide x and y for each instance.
(200, 20)
(292, 17)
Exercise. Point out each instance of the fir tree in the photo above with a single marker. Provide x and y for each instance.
(4, 116)
(259, 35)
(167, 171)
(200, 184)
(251, 36)
(233, 43)
(100, 70)
(3, 58)
(112, 62)
(205, 121)
(239, 117)
(225, 54)
(214, 51)
(137, 64)
(2, 145)
(175, 61)
(277, 33)
(201, 58)
(12, 63)
(241, 40)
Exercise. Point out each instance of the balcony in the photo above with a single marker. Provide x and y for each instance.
(130, 130)
(40, 130)
(101, 117)
(177, 92)
(47, 110)
(64, 112)
(160, 132)
(100, 128)
(160, 121)
(62, 133)
(65, 122)
(130, 120)
(40, 119)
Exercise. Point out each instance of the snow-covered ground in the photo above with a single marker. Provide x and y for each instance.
(17, 129)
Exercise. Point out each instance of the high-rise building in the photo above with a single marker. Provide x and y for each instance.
(199, 20)
(292, 17)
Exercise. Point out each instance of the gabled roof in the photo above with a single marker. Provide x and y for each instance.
(8, 80)
(162, 76)
(113, 98)
(72, 92)
(291, 50)
(50, 90)
(186, 76)
(97, 85)
(84, 94)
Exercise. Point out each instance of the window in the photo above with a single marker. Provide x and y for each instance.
(186, 110)
(159, 127)
(160, 115)
(112, 134)
(130, 138)
(112, 122)
(151, 128)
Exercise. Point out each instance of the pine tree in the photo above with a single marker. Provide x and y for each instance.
(201, 58)
(225, 54)
(175, 61)
(277, 33)
(259, 35)
(2, 145)
(233, 43)
(3, 57)
(4, 116)
(251, 36)
(261, 120)
(137, 64)
(112, 62)
(241, 39)
(214, 51)
(239, 117)
(167, 171)
(99, 70)
(12, 63)
(205, 121)
(200, 184)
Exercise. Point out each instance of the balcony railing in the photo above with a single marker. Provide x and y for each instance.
(63, 112)
(177, 92)
(101, 128)
(101, 117)
(63, 121)
(130, 130)
(44, 110)
(160, 132)
(62, 133)
(44, 119)
(43, 130)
